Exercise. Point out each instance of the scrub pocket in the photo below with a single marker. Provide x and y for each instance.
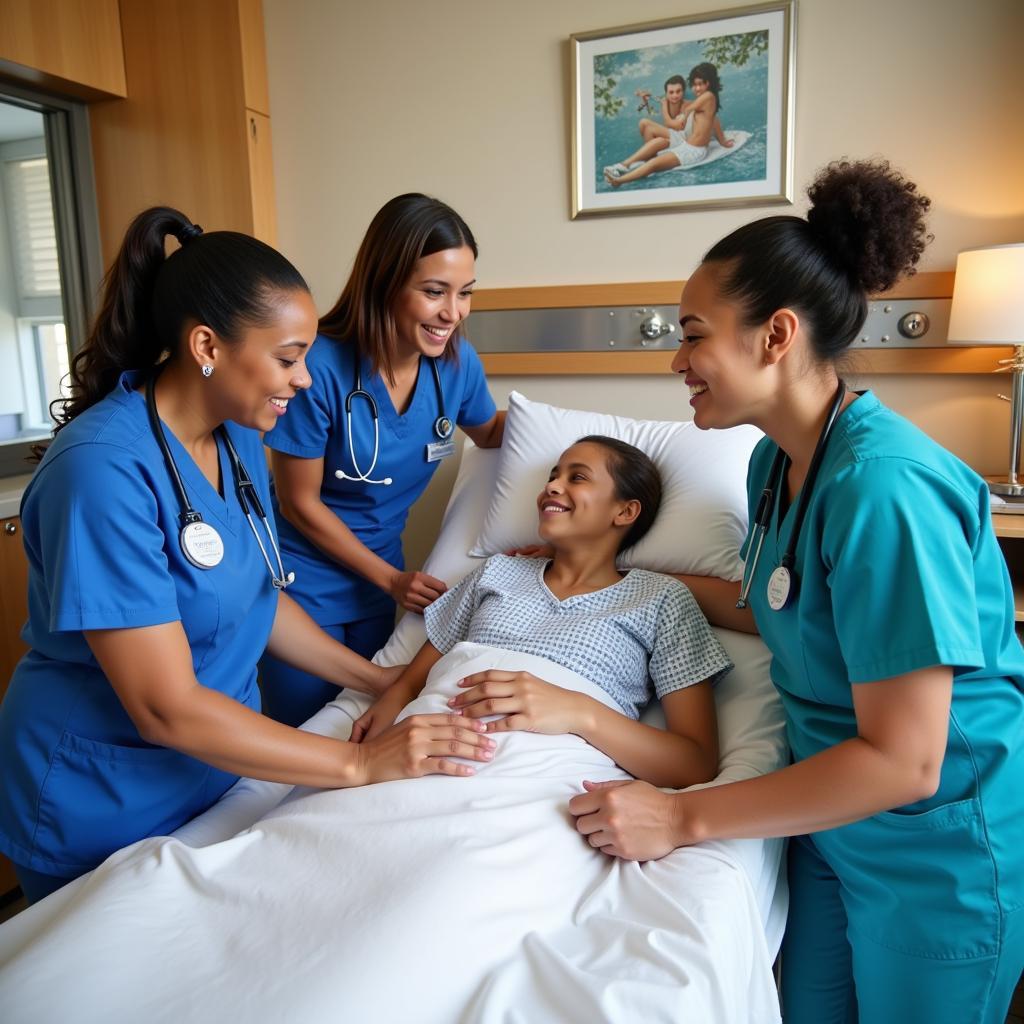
(98, 797)
(922, 884)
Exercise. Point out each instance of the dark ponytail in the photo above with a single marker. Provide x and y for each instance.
(222, 279)
(636, 478)
(865, 229)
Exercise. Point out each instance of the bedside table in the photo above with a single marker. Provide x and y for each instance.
(1010, 532)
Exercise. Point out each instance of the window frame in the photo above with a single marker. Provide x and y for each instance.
(76, 220)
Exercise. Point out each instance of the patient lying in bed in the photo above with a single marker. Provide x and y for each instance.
(440, 899)
(622, 632)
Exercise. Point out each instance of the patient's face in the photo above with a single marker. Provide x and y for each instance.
(718, 355)
(578, 502)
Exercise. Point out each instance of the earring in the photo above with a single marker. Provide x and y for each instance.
(207, 370)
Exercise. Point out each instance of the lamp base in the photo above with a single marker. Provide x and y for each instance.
(1001, 485)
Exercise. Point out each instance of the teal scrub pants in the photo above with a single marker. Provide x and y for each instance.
(833, 975)
(292, 696)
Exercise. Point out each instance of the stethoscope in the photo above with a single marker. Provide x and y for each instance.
(443, 426)
(200, 543)
(782, 582)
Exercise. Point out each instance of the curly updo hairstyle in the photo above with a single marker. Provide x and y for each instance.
(865, 230)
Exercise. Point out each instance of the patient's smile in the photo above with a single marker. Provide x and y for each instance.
(553, 507)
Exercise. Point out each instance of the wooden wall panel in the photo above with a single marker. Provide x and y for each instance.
(254, 56)
(69, 46)
(180, 137)
(261, 176)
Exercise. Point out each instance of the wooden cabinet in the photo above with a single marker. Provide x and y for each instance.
(194, 131)
(13, 613)
(72, 47)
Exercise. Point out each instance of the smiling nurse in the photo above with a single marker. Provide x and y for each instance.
(154, 578)
(877, 584)
(391, 379)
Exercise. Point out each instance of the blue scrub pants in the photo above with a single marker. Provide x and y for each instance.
(36, 886)
(829, 973)
(292, 696)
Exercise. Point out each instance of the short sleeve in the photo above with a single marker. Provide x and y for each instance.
(304, 429)
(685, 650)
(477, 406)
(447, 620)
(898, 542)
(101, 549)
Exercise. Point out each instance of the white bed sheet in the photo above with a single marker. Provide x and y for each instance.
(151, 890)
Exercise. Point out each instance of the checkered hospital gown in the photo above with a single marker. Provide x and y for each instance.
(647, 627)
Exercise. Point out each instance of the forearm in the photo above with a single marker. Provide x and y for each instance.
(296, 639)
(845, 783)
(321, 527)
(221, 732)
(717, 599)
(657, 756)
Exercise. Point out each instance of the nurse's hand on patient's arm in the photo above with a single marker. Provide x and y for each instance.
(415, 590)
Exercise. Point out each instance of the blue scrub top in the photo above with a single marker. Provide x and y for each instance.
(100, 521)
(315, 427)
(899, 569)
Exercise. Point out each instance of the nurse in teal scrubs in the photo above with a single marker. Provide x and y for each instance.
(391, 379)
(153, 588)
(879, 588)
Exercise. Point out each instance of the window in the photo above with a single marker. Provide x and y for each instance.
(47, 272)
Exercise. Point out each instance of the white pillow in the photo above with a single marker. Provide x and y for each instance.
(703, 517)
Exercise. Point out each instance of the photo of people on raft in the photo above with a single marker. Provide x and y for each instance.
(684, 136)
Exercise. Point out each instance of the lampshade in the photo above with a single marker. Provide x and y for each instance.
(988, 297)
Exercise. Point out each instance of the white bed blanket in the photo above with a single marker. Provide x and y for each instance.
(428, 900)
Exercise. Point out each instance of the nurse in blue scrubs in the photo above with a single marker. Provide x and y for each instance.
(154, 577)
(391, 379)
(875, 579)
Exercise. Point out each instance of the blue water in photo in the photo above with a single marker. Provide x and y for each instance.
(744, 106)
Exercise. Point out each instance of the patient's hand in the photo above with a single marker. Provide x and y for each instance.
(382, 712)
(533, 551)
(527, 703)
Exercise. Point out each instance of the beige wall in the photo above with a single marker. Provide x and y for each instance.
(467, 99)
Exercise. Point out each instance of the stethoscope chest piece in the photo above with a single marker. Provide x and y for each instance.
(201, 544)
(780, 585)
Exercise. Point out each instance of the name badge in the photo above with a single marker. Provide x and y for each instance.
(438, 450)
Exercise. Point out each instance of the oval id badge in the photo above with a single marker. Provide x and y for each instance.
(779, 584)
(201, 545)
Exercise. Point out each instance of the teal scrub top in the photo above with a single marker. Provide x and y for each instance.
(898, 569)
(100, 524)
(315, 427)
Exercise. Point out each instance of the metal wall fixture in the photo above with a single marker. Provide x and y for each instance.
(901, 323)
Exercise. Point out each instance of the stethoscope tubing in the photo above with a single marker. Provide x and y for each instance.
(248, 497)
(769, 498)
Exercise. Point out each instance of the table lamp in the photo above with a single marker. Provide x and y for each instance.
(988, 309)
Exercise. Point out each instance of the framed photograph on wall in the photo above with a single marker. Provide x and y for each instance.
(693, 112)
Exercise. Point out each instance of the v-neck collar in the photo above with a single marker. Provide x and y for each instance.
(199, 488)
(563, 601)
(399, 423)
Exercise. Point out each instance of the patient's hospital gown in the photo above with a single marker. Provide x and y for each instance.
(646, 625)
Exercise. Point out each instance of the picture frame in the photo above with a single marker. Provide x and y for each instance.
(729, 137)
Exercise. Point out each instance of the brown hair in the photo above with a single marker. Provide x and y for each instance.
(405, 229)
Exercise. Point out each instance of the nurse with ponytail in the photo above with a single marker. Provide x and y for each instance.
(876, 581)
(154, 579)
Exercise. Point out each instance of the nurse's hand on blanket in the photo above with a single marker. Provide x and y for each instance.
(415, 590)
(422, 745)
(527, 703)
(632, 820)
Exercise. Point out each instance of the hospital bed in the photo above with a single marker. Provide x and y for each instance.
(281, 903)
